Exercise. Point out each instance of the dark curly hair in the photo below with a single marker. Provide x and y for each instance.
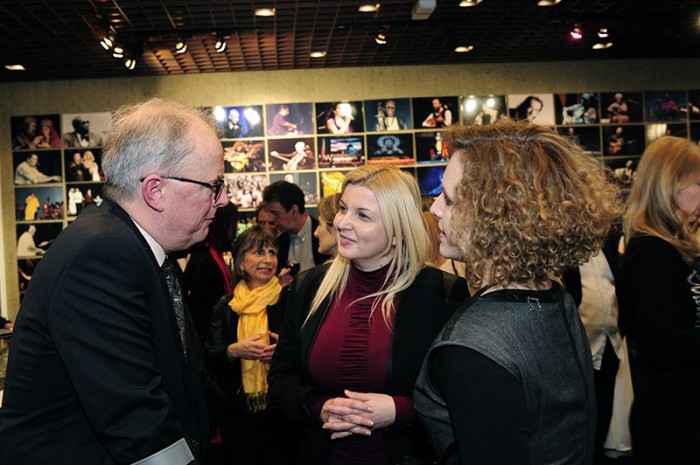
(530, 203)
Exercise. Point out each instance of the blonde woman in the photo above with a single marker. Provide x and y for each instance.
(510, 379)
(660, 302)
(357, 329)
(325, 232)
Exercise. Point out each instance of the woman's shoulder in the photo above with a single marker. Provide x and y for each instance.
(649, 250)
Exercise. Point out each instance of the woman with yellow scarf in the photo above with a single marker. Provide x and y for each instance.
(241, 340)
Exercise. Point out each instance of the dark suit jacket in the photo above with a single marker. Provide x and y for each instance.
(422, 311)
(97, 373)
(284, 241)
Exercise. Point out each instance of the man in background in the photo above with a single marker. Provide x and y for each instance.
(28, 172)
(105, 366)
(297, 242)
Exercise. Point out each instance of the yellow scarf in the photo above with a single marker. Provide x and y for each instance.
(251, 306)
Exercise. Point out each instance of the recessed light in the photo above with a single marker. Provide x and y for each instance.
(602, 46)
(16, 67)
(265, 12)
(467, 3)
(318, 54)
(548, 2)
(368, 7)
(464, 48)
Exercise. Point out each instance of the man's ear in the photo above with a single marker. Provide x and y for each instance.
(153, 193)
(294, 210)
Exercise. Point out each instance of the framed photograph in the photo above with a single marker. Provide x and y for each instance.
(81, 130)
(289, 119)
(394, 149)
(83, 165)
(430, 180)
(587, 137)
(694, 104)
(621, 107)
(435, 112)
(388, 115)
(306, 181)
(623, 140)
(244, 156)
(342, 117)
(35, 132)
(34, 239)
(331, 182)
(37, 167)
(623, 170)
(239, 122)
(291, 154)
(340, 151)
(25, 270)
(79, 196)
(668, 105)
(430, 148)
(654, 131)
(39, 203)
(538, 108)
(484, 109)
(577, 108)
(245, 190)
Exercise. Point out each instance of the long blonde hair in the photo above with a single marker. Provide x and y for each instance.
(664, 169)
(400, 207)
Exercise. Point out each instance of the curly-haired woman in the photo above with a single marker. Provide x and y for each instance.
(510, 379)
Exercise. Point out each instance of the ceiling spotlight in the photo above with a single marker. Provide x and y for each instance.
(603, 32)
(180, 46)
(464, 48)
(220, 44)
(118, 51)
(107, 42)
(468, 3)
(318, 54)
(380, 38)
(130, 63)
(576, 33)
(548, 2)
(368, 7)
(265, 12)
(602, 46)
(16, 67)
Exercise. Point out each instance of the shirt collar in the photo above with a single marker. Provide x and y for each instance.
(157, 250)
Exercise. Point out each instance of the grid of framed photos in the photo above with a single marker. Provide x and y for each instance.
(57, 158)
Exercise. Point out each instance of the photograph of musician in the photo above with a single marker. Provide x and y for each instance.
(621, 107)
(483, 110)
(577, 108)
(344, 117)
(291, 154)
(440, 115)
(280, 124)
(669, 105)
(244, 156)
(537, 108)
(389, 115)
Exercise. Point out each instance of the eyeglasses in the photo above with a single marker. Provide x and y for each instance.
(216, 187)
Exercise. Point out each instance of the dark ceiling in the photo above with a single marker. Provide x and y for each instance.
(58, 39)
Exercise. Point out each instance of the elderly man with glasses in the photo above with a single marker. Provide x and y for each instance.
(105, 365)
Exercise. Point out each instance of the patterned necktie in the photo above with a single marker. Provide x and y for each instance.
(176, 294)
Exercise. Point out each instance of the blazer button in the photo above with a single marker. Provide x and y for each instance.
(194, 442)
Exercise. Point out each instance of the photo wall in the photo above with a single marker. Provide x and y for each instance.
(58, 171)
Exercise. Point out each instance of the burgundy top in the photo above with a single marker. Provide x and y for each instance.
(351, 351)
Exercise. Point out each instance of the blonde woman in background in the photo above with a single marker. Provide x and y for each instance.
(356, 329)
(660, 302)
(325, 232)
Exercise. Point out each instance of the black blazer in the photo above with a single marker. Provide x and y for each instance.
(422, 311)
(97, 373)
(284, 241)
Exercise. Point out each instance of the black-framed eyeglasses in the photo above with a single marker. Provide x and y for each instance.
(216, 187)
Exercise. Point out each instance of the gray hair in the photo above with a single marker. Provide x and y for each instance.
(147, 138)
